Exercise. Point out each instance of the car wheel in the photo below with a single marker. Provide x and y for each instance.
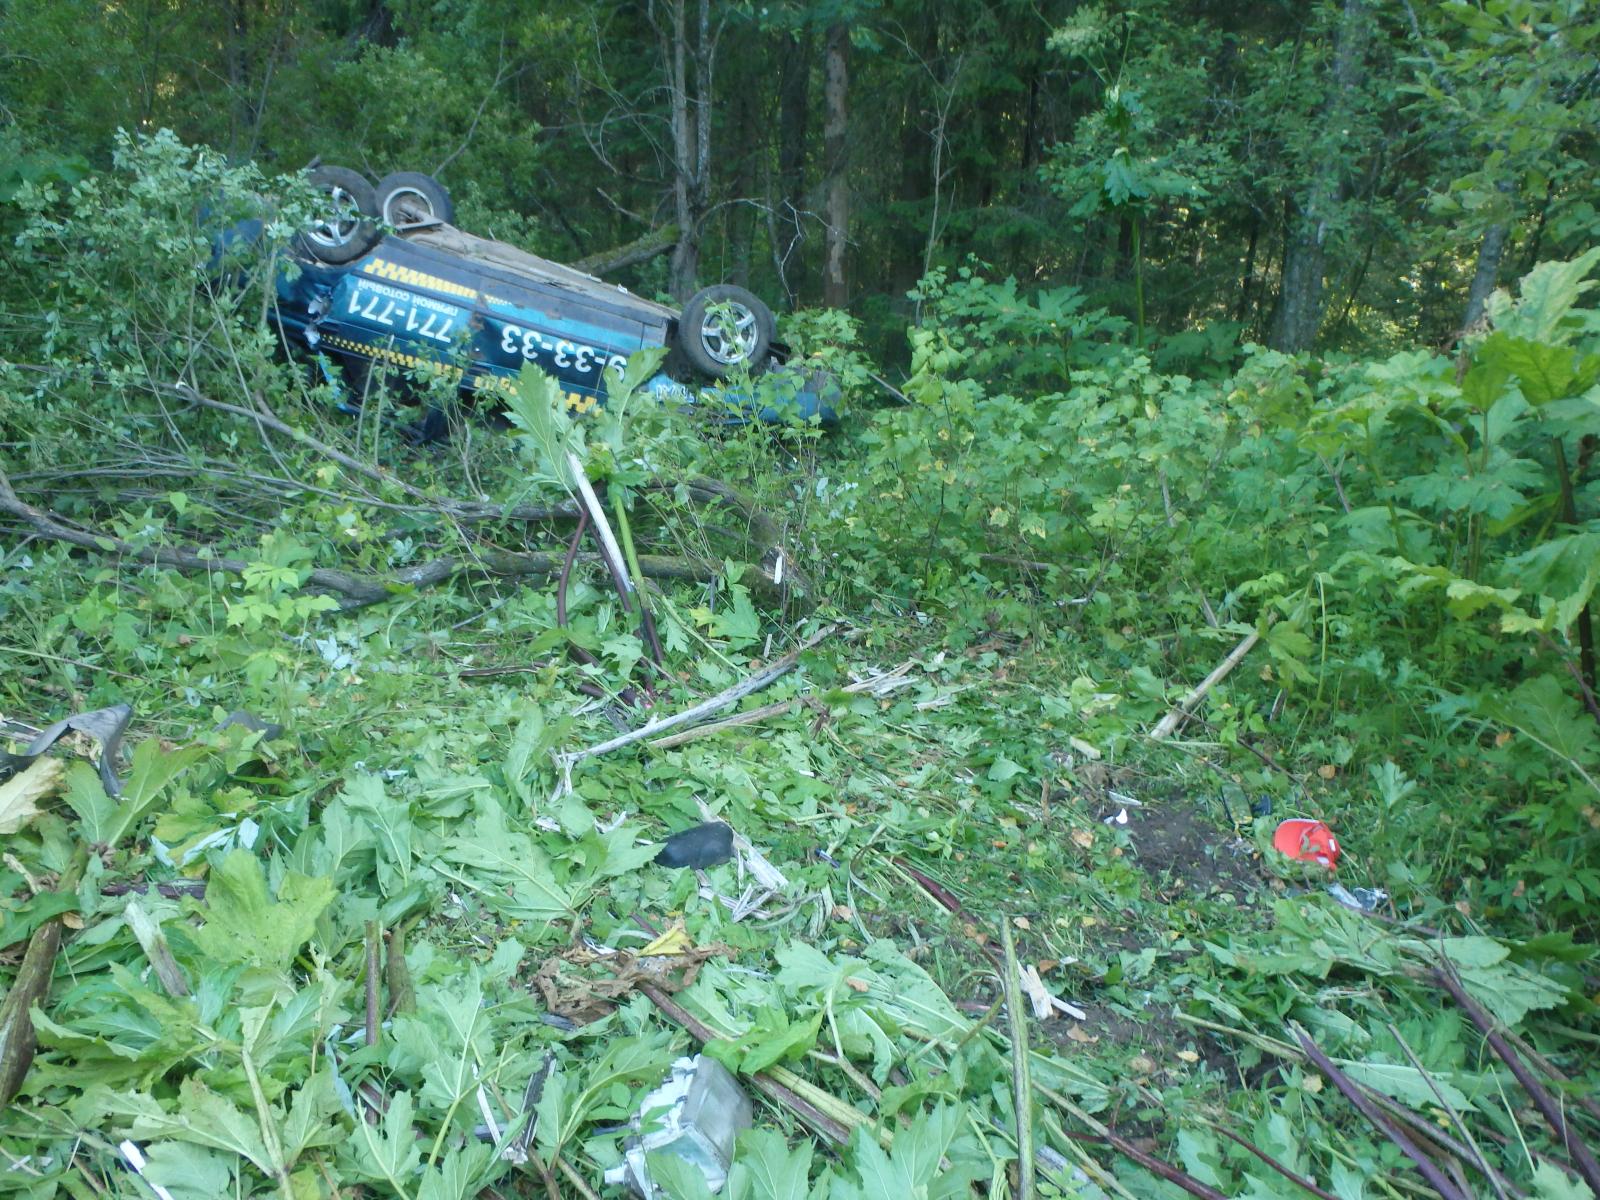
(724, 328)
(409, 197)
(344, 230)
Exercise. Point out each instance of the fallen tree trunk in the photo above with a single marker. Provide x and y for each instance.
(642, 249)
(358, 591)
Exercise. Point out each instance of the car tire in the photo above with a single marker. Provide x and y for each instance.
(707, 342)
(346, 230)
(417, 191)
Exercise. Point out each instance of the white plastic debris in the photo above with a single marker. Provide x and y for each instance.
(702, 1111)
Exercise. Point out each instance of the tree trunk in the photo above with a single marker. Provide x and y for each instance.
(794, 112)
(1490, 253)
(691, 135)
(739, 223)
(1247, 277)
(836, 81)
(1300, 300)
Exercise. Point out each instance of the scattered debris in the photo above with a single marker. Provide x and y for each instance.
(1361, 899)
(251, 723)
(105, 725)
(1307, 841)
(698, 847)
(695, 1115)
(670, 963)
(1045, 1003)
(21, 795)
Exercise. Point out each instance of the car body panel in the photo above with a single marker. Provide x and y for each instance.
(476, 311)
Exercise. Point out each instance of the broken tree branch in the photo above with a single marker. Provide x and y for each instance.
(1170, 723)
(358, 591)
(642, 249)
(732, 695)
(1430, 1170)
(1582, 1158)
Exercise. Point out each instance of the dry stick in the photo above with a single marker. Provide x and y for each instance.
(31, 989)
(372, 983)
(1423, 1127)
(762, 678)
(1432, 1134)
(1169, 723)
(768, 710)
(1021, 1083)
(753, 717)
(1549, 1068)
(1582, 1159)
(1430, 1170)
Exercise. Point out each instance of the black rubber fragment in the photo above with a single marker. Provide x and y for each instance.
(698, 847)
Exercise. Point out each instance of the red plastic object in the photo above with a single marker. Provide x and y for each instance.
(1307, 841)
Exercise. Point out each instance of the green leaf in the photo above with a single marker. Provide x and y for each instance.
(1003, 769)
(500, 857)
(766, 1168)
(106, 821)
(313, 1118)
(1542, 709)
(188, 1171)
(773, 1038)
(1548, 294)
(208, 1119)
(387, 1152)
(1552, 1183)
(1545, 373)
(1405, 1083)
(537, 407)
(390, 823)
(243, 924)
(680, 1179)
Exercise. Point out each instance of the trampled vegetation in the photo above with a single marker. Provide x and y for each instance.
(361, 911)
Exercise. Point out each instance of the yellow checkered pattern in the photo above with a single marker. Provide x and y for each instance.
(384, 269)
(576, 401)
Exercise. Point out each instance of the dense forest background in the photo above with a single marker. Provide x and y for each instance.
(1349, 174)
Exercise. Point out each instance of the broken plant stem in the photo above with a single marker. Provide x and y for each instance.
(610, 551)
(374, 938)
(647, 620)
(1455, 1118)
(1430, 1170)
(1170, 723)
(1293, 1177)
(728, 696)
(575, 1179)
(766, 1081)
(31, 988)
(1021, 1083)
(1582, 1158)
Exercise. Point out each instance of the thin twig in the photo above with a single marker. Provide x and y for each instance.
(1450, 1111)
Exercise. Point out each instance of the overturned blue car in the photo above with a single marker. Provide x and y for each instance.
(385, 279)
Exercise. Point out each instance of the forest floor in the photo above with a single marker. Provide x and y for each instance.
(412, 908)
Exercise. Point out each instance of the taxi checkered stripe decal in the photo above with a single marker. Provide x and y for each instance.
(384, 269)
(576, 401)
